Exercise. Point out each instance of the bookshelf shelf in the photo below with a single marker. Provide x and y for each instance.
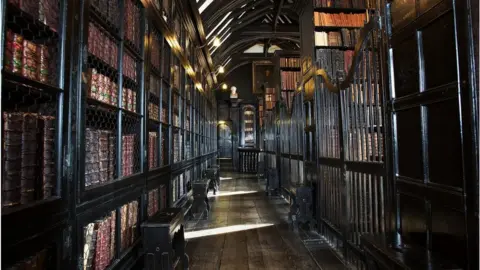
(344, 48)
(29, 26)
(16, 82)
(335, 28)
(101, 66)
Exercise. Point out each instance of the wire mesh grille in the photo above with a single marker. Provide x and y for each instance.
(31, 76)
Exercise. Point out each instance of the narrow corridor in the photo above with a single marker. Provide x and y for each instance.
(248, 230)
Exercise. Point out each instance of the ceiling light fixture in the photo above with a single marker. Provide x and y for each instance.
(224, 86)
(216, 42)
(221, 70)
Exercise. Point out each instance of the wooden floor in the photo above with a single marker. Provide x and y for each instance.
(247, 230)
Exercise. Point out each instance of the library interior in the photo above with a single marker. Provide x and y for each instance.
(239, 134)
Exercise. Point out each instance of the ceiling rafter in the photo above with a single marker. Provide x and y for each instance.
(219, 10)
(239, 41)
(248, 19)
(248, 7)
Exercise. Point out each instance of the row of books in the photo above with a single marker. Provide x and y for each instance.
(156, 52)
(26, 58)
(38, 261)
(153, 202)
(177, 146)
(29, 151)
(128, 154)
(102, 45)
(346, 37)
(129, 223)
(132, 22)
(361, 146)
(290, 62)
(181, 185)
(129, 66)
(101, 87)
(153, 149)
(153, 111)
(45, 11)
(339, 19)
(341, 3)
(290, 79)
(334, 60)
(99, 156)
(99, 239)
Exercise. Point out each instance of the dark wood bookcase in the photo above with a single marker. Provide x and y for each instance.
(130, 121)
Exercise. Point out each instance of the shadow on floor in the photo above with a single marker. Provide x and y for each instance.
(248, 230)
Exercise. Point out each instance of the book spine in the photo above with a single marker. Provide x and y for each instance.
(47, 152)
(29, 60)
(12, 146)
(29, 157)
(13, 52)
(43, 63)
(123, 223)
(113, 222)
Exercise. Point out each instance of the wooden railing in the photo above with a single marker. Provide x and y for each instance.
(248, 158)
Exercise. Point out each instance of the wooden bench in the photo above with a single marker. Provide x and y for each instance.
(164, 240)
(214, 175)
(200, 196)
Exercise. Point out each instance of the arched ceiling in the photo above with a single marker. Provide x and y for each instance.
(241, 24)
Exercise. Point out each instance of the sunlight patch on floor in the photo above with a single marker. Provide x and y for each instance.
(231, 193)
(226, 178)
(223, 230)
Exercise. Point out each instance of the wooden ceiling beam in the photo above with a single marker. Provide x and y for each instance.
(275, 20)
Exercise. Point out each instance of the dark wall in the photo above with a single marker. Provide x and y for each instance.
(242, 79)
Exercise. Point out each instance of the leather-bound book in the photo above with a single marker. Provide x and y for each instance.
(46, 126)
(106, 243)
(43, 56)
(123, 224)
(113, 224)
(92, 170)
(29, 158)
(133, 217)
(90, 236)
(111, 156)
(13, 52)
(29, 60)
(12, 147)
(104, 155)
(99, 244)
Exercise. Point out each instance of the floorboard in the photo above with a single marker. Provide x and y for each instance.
(246, 229)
